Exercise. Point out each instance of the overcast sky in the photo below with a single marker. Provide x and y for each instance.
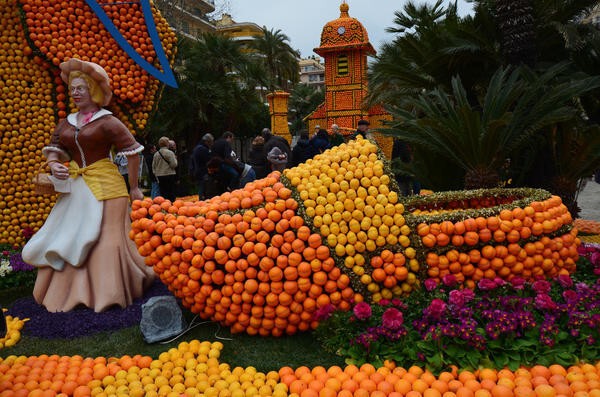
(303, 20)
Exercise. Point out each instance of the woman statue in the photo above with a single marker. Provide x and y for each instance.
(83, 253)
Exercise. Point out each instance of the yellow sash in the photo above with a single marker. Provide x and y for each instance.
(103, 179)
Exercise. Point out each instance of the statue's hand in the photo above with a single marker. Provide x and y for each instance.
(59, 170)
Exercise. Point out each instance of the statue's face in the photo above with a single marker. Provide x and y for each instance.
(80, 92)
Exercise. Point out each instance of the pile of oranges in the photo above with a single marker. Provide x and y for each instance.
(36, 37)
(193, 369)
(535, 241)
(244, 259)
(391, 381)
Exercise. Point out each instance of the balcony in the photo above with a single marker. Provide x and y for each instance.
(203, 6)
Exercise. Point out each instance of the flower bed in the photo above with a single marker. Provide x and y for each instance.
(14, 273)
(499, 324)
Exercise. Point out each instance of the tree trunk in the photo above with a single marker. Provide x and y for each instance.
(515, 22)
(481, 178)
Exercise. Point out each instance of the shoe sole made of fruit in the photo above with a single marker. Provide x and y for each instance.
(334, 231)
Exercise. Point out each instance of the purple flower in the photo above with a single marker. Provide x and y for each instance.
(430, 284)
(541, 286)
(81, 321)
(544, 302)
(449, 280)
(323, 313)
(565, 280)
(392, 319)
(362, 311)
(486, 284)
(436, 308)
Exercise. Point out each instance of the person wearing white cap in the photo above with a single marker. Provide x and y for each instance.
(83, 251)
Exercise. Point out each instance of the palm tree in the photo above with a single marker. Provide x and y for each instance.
(433, 46)
(479, 138)
(279, 59)
(514, 19)
(216, 92)
(303, 100)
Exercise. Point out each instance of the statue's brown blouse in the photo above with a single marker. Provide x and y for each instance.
(94, 140)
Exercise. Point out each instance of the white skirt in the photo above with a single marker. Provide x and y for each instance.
(70, 231)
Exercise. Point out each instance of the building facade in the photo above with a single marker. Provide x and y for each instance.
(243, 32)
(188, 17)
(312, 72)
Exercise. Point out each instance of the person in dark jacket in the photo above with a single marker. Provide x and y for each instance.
(272, 141)
(362, 129)
(302, 151)
(407, 184)
(257, 158)
(222, 149)
(320, 142)
(336, 137)
(200, 157)
(215, 180)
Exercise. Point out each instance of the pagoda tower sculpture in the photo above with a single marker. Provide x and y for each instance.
(345, 47)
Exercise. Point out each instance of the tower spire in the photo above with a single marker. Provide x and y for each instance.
(344, 10)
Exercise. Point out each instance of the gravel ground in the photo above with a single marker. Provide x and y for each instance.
(589, 201)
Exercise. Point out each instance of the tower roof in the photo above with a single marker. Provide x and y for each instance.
(344, 32)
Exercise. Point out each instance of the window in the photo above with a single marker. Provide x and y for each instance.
(342, 65)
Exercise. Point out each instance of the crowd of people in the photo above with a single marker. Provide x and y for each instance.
(217, 168)
(214, 167)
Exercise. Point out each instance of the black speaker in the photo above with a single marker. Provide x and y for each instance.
(161, 319)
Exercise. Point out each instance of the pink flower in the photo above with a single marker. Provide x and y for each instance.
(384, 302)
(569, 295)
(565, 280)
(436, 308)
(430, 284)
(324, 312)
(362, 311)
(544, 302)
(541, 286)
(499, 282)
(517, 282)
(459, 298)
(392, 319)
(486, 284)
(396, 302)
(449, 280)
